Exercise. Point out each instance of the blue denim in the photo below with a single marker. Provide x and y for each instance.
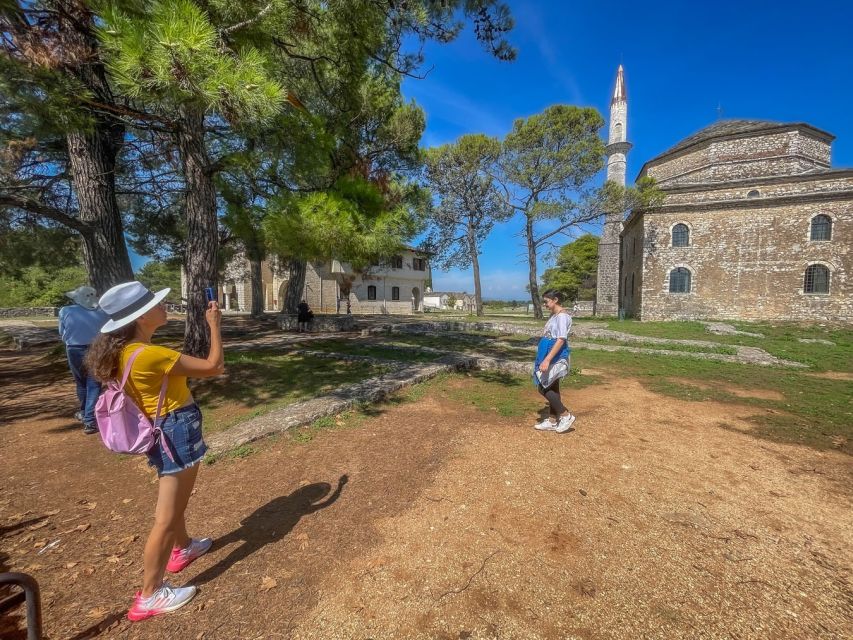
(181, 430)
(88, 388)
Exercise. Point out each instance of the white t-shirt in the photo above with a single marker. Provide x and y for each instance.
(558, 326)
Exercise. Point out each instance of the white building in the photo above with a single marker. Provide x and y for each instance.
(441, 300)
(394, 287)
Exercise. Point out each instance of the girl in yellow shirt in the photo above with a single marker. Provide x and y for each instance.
(135, 314)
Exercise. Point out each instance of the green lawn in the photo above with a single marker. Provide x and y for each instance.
(780, 340)
(373, 349)
(258, 382)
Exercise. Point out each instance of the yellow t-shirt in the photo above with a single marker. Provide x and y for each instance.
(146, 378)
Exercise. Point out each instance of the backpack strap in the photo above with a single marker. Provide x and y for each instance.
(163, 386)
(129, 366)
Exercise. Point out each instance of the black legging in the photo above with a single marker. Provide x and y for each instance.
(552, 395)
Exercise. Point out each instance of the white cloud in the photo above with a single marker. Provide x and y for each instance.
(441, 102)
(532, 20)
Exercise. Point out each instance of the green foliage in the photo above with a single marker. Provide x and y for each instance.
(468, 203)
(46, 247)
(551, 153)
(37, 286)
(157, 274)
(349, 223)
(547, 164)
(575, 272)
(170, 53)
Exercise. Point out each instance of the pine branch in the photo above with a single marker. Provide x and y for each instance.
(45, 211)
(246, 23)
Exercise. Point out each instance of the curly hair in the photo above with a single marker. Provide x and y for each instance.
(103, 355)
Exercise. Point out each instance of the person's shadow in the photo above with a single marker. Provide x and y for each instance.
(270, 523)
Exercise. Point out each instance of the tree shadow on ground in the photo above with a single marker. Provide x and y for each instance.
(264, 378)
(35, 382)
(270, 523)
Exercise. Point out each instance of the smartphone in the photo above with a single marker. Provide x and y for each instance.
(210, 294)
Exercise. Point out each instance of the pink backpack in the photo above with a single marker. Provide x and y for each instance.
(124, 427)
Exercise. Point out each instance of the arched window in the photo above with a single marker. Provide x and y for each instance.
(680, 236)
(753, 194)
(371, 292)
(821, 228)
(679, 280)
(816, 280)
(395, 293)
(617, 132)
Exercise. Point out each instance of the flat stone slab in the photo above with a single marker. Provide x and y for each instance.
(723, 329)
(745, 355)
(28, 335)
(829, 343)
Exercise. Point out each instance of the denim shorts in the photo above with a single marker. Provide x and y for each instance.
(181, 430)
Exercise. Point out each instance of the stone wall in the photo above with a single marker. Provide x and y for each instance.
(607, 285)
(745, 263)
(839, 181)
(320, 323)
(737, 158)
(631, 292)
(23, 312)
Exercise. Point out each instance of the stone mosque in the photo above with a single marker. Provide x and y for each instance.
(755, 224)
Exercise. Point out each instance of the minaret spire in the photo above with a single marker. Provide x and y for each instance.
(607, 288)
(619, 93)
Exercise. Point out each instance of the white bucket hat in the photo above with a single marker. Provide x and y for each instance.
(85, 296)
(124, 303)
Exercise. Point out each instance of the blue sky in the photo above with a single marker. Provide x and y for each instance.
(780, 60)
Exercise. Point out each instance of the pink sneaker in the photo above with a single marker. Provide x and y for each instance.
(166, 599)
(182, 558)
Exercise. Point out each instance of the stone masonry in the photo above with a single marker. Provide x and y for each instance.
(747, 192)
(607, 284)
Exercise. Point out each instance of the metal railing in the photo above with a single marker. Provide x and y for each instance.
(30, 595)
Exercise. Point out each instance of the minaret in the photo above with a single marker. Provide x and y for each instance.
(607, 290)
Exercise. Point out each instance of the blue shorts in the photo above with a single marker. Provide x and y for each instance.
(181, 429)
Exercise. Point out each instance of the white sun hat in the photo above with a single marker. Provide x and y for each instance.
(124, 303)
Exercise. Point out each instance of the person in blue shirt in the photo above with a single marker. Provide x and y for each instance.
(79, 323)
(553, 358)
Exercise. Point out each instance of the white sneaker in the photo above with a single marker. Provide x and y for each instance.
(565, 423)
(166, 599)
(545, 425)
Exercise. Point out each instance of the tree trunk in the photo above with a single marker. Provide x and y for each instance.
(202, 230)
(92, 161)
(531, 263)
(92, 157)
(475, 263)
(257, 288)
(295, 285)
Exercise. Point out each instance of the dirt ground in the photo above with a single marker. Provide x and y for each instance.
(655, 518)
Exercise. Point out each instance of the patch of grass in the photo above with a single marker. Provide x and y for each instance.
(257, 382)
(238, 453)
(815, 412)
(346, 420)
(417, 392)
(373, 350)
(780, 340)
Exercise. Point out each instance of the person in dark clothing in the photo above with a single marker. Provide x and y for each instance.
(304, 316)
